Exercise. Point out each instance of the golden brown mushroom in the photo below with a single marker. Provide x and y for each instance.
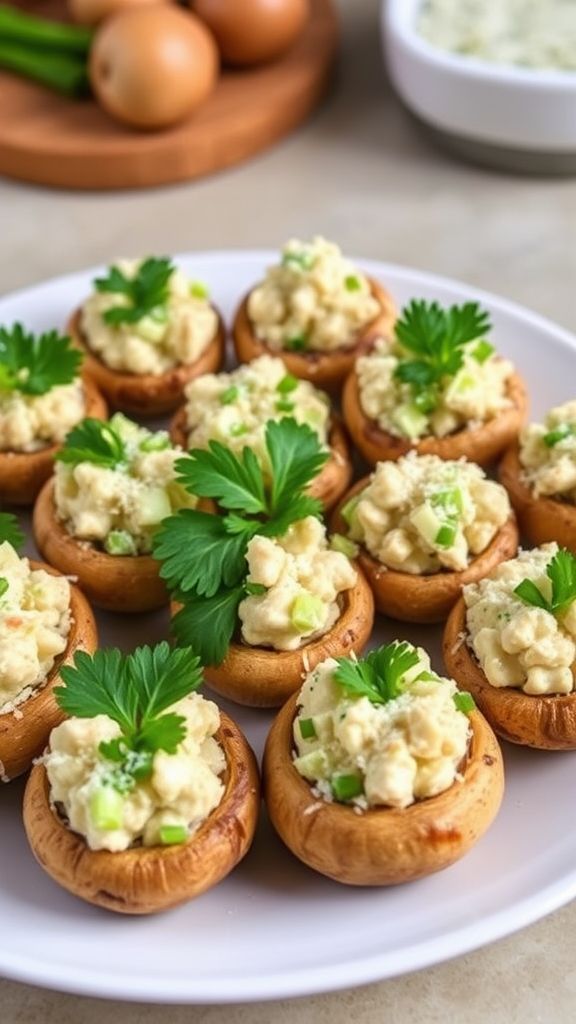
(424, 598)
(541, 519)
(144, 880)
(22, 474)
(120, 583)
(481, 444)
(324, 369)
(381, 846)
(547, 722)
(146, 394)
(333, 478)
(24, 732)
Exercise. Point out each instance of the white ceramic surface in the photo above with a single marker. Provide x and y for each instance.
(506, 106)
(274, 928)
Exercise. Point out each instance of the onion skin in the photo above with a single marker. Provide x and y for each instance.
(23, 736)
(92, 12)
(145, 880)
(259, 677)
(546, 723)
(151, 66)
(382, 846)
(23, 474)
(542, 519)
(333, 478)
(119, 583)
(426, 598)
(324, 369)
(253, 31)
(146, 394)
(480, 444)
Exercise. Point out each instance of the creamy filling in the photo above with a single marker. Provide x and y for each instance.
(31, 422)
(389, 754)
(517, 644)
(548, 454)
(422, 514)
(183, 789)
(297, 581)
(34, 626)
(313, 300)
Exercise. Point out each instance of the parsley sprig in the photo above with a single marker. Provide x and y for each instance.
(380, 675)
(34, 364)
(203, 556)
(134, 690)
(436, 337)
(561, 571)
(93, 441)
(146, 292)
(10, 530)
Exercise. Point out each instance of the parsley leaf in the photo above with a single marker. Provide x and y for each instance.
(34, 364)
(437, 337)
(236, 481)
(133, 690)
(10, 530)
(145, 292)
(93, 441)
(295, 457)
(208, 624)
(198, 553)
(380, 675)
(561, 571)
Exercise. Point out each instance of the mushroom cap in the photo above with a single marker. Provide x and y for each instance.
(381, 846)
(144, 880)
(546, 723)
(324, 369)
(541, 519)
(24, 735)
(146, 394)
(23, 474)
(119, 583)
(426, 598)
(481, 444)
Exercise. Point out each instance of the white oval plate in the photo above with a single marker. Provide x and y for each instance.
(274, 928)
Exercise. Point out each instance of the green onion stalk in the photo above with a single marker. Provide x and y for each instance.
(49, 52)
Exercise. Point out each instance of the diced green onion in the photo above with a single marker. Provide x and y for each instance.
(170, 835)
(427, 677)
(307, 613)
(464, 702)
(346, 787)
(120, 542)
(482, 351)
(255, 589)
(158, 442)
(426, 401)
(347, 511)
(64, 72)
(106, 809)
(229, 395)
(287, 384)
(4, 585)
(352, 283)
(450, 500)
(198, 290)
(560, 433)
(237, 429)
(284, 405)
(343, 545)
(298, 343)
(301, 260)
(446, 535)
(307, 728)
(31, 31)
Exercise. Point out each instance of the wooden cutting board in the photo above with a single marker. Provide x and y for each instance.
(51, 140)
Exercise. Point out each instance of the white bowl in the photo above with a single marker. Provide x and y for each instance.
(510, 110)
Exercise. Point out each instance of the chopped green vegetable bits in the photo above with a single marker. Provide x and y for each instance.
(285, 405)
(446, 535)
(464, 702)
(560, 433)
(298, 343)
(288, 384)
(230, 395)
(352, 283)
(307, 728)
(307, 613)
(172, 835)
(106, 809)
(120, 542)
(346, 787)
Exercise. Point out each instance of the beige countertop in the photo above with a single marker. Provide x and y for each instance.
(360, 173)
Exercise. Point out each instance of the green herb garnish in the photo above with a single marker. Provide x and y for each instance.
(297, 260)
(380, 675)
(203, 556)
(298, 343)
(307, 728)
(284, 405)
(436, 337)
(10, 530)
(93, 441)
(352, 283)
(561, 571)
(34, 364)
(346, 787)
(145, 292)
(559, 433)
(134, 690)
(198, 290)
(229, 395)
(464, 702)
(288, 384)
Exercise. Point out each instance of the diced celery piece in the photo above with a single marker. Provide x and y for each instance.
(152, 327)
(426, 522)
(408, 418)
(287, 384)
(154, 506)
(346, 787)
(229, 395)
(106, 809)
(127, 429)
(450, 500)
(157, 442)
(446, 535)
(343, 545)
(560, 433)
(120, 542)
(284, 405)
(199, 290)
(312, 766)
(170, 835)
(352, 283)
(238, 429)
(463, 381)
(307, 613)
(347, 511)
(307, 728)
(482, 351)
